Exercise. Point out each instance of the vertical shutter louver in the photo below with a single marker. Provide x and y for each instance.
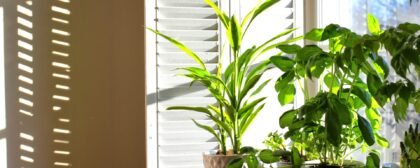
(180, 142)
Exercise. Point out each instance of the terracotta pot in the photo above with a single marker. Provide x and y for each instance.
(212, 160)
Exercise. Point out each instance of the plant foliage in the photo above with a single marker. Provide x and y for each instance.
(236, 88)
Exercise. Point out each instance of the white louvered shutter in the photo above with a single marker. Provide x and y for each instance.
(180, 142)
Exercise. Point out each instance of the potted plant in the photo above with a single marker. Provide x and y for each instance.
(343, 117)
(277, 153)
(410, 148)
(403, 44)
(235, 89)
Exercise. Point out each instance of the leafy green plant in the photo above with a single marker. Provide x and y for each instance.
(403, 44)
(236, 88)
(275, 141)
(343, 117)
(410, 148)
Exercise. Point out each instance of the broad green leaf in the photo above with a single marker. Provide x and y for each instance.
(234, 34)
(373, 161)
(248, 150)
(366, 130)
(287, 94)
(314, 35)
(338, 110)
(284, 80)
(352, 39)
(374, 118)
(208, 129)
(297, 124)
(373, 25)
(296, 158)
(417, 106)
(236, 163)
(222, 16)
(332, 82)
(268, 156)
(374, 83)
(363, 95)
(182, 47)
(251, 161)
(333, 127)
(409, 27)
(332, 31)
(283, 63)
(400, 109)
(381, 141)
(289, 49)
(308, 52)
(287, 118)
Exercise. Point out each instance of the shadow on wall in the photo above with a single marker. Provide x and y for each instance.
(39, 126)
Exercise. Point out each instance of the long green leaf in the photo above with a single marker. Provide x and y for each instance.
(250, 105)
(261, 8)
(182, 47)
(250, 119)
(222, 16)
(262, 86)
(249, 85)
(197, 109)
(234, 34)
(208, 129)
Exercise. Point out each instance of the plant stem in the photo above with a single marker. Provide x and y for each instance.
(304, 90)
(332, 78)
(352, 83)
(352, 151)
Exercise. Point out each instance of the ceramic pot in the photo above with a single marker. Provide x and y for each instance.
(213, 160)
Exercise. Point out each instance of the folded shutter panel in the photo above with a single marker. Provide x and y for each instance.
(180, 142)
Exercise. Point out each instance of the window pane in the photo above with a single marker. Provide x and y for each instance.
(352, 14)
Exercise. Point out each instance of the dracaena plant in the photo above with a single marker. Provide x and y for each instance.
(235, 88)
(343, 117)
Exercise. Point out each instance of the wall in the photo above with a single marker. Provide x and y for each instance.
(106, 106)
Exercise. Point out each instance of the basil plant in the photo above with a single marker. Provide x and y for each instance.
(344, 116)
(236, 88)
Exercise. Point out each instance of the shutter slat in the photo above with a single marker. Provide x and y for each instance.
(187, 24)
(192, 35)
(198, 46)
(183, 3)
(165, 115)
(186, 12)
(181, 58)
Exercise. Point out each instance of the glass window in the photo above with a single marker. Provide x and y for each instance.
(352, 14)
